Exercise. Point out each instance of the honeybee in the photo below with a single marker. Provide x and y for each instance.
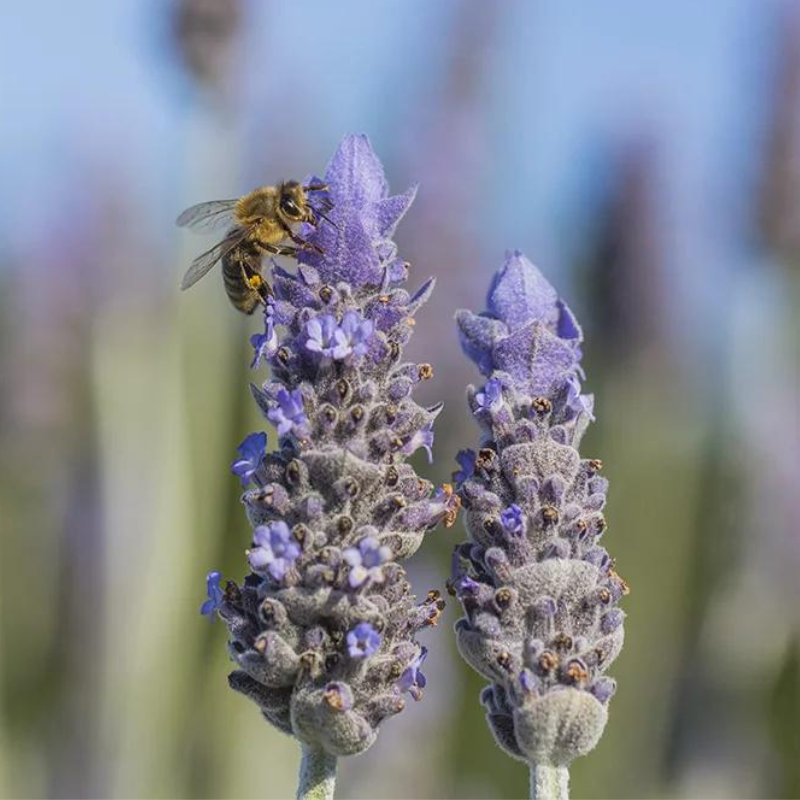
(262, 222)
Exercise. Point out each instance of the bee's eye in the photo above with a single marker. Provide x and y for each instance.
(289, 207)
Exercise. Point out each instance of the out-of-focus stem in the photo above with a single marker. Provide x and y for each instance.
(317, 778)
(549, 783)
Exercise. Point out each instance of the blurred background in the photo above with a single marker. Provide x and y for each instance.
(645, 156)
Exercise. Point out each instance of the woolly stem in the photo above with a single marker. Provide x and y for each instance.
(317, 777)
(549, 783)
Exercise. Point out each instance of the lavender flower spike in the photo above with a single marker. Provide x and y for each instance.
(323, 629)
(537, 588)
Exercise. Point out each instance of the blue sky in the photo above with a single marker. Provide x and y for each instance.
(82, 85)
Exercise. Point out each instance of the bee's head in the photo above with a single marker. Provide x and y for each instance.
(292, 203)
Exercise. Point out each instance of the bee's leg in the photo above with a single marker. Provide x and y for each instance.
(303, 244)
(279, 249)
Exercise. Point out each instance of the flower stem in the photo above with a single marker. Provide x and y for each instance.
(549, 783)
(317, 777)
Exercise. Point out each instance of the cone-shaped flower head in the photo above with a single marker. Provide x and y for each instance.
(538, 590)
(323, 628)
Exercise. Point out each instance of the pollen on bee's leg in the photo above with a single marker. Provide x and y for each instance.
(255, 281)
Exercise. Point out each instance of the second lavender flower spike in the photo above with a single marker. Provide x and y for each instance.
(538, 589)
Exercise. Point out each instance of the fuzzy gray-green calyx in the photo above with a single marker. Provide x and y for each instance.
(538, 589)
(323, 629)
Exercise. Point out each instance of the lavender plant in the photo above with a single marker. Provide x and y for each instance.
(323, 628)
(538, 590)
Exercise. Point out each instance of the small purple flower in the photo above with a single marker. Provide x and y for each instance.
(363, 641)
(215, 595)
(490, 397)
(466, 460)
(354, 335)
(265, 344)
(320, 331)
(412, 680)
(251, 451)
(275, 549)
(421, 438)
(365, 561)
(513, 520)
(289, 415)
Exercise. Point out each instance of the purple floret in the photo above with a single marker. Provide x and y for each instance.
(275, 549)
(491, 396)
(412, 680)
(513, 520)
(215, 595)
(365, 561)
(251, 453)
(288, 416)
(363, 641)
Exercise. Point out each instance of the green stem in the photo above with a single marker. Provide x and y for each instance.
(549, 783)
(317, 775)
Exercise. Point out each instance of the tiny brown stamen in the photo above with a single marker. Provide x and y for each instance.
(550, 513)
(502, 597)
(394, 350)
(604, 595)
(399, 502)
(334, 699)
(626, 590)
(541, 405)
(326, 293)
(548, 661)
(576, 672)
(329, 412)
(351, 487)
(308, 660)
(595, 464)
(391, 414)
(283, 355)
(396, 670)
(485, 459)
(425, 372)
(392, 476)
(342, 388)
(357, 413)
(504, 660)
(345, 525)
(260, 645)
(580, 525)
(601, 524)
(562, 641)
(601, 655)
(433, 595)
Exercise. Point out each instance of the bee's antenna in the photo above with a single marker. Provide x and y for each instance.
(328, 220)
(316, 187)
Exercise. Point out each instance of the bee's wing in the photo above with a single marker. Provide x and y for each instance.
(208, 216)
(203, 263)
